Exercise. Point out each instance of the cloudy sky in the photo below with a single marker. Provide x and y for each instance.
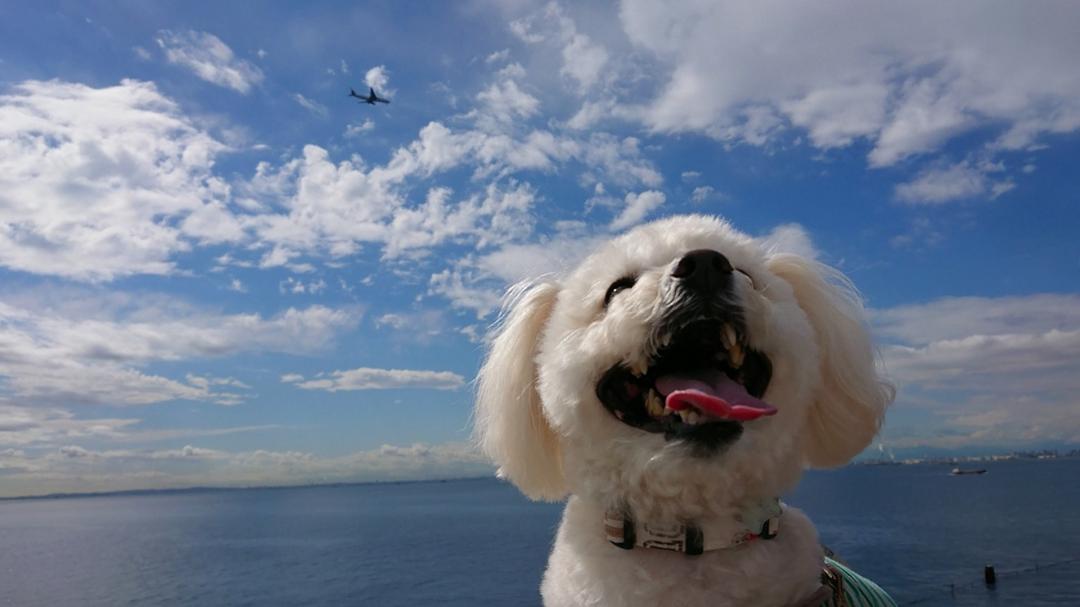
(215, 268)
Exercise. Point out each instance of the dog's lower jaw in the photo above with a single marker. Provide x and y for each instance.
(585, 569)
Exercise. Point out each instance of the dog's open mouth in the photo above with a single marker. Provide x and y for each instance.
(701, 387)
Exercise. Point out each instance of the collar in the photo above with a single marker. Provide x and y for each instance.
(758, 519)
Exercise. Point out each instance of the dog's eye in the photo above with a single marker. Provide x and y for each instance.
(626, 282)
(748, 276)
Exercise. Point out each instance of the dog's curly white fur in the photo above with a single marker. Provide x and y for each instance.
(539, 418)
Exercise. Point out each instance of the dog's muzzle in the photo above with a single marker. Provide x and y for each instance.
(705, 381)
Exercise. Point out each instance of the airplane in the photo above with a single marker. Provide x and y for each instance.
(371, 99)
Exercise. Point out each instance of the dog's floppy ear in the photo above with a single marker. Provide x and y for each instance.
(849, 409)
(510, 423)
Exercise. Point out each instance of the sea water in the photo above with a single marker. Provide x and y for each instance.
(915, 529)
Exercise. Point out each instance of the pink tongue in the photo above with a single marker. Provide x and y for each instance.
(715, 395)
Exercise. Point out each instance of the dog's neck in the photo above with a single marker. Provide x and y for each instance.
(756, 519)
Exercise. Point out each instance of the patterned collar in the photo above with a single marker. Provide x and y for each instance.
(759, 519)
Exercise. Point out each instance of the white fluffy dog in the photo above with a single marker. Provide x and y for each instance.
(674, 385)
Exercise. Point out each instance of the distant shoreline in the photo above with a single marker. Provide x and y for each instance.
(971, 459)
(944, 461)
(226, 489)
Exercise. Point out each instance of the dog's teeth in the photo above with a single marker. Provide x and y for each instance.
(653, 404)
(692, 417)
(664, 340)
(735, 355)
(728, 336)
(639, 368)
(618, 414)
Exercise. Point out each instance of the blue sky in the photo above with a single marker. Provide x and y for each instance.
(215, 268)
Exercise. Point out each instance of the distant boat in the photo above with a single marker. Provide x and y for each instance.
(960, 471)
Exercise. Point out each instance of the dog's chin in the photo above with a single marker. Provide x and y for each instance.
(700, 388)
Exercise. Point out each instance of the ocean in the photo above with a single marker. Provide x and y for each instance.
(914, 529)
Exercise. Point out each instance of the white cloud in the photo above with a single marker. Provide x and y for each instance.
(478, 283)
(556, 255)
(702, 193)
(467, 290)
(1001, 187)
(298, 287)
(592, 113)
(21, 426)
(510, 71)
(942, 185)
(497, 56)
(417, 325)
(209, 58)
(619, 161)
(100, 183)
(925, 118)
(954, 318)
(207, 381)
(76, 468)
(974, 359)
(394, 320)
(584, 60)
(504, 102)
(960, 181)
(93, 352)
(378, 78)
(37, 427)
(523, 29)
(863, 115)
(332, 208)
(497, 215)
(904, 78)
(142, 177)
(365, 378)
(310, 105)
(214, 388)
(991, 370)
(357, 129)
(638, 206)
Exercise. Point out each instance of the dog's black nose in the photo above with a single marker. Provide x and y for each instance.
(703, 270)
